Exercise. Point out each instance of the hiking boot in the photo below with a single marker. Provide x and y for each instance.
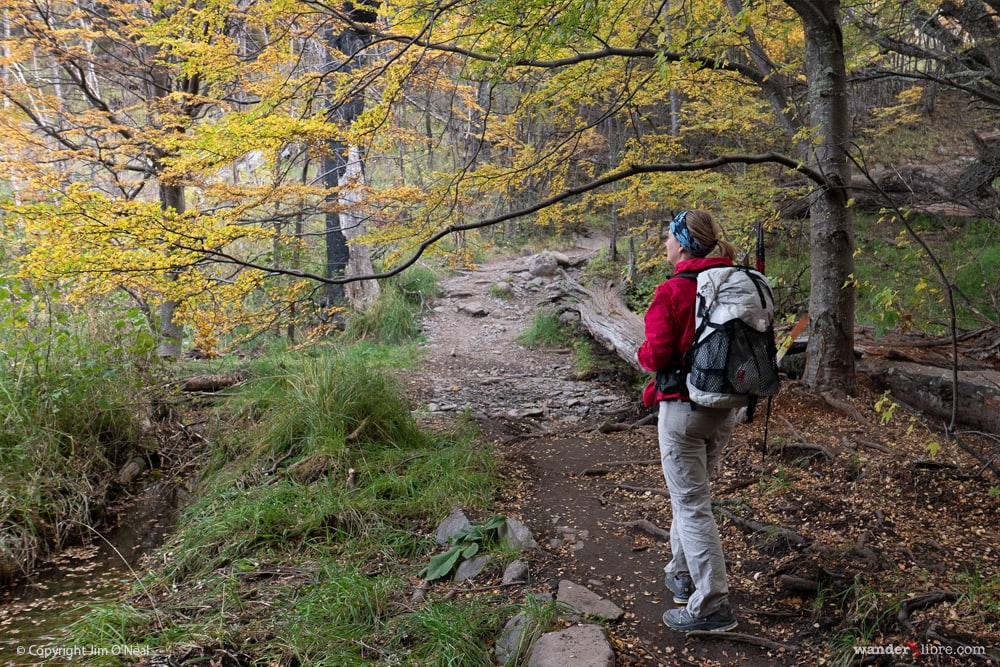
(684, 621)
(682, 587)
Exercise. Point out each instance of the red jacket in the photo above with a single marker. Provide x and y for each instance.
(670, 325)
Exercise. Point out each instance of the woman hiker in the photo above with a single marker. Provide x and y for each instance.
(690, 439)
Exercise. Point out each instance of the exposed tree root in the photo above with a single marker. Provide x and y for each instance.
(607, 467)
(790, 582)
(848, 409)
(644, 489)
(763, 642)
(647, 527)
(929, 599)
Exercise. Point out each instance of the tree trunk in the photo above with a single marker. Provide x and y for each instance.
(932, 391)
(171, 333)
(606, 316)
(350, 43)
(353, 225)
(830, 357)
(171, 343)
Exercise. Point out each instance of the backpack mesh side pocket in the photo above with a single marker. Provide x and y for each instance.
(751, 367)
(709, 363)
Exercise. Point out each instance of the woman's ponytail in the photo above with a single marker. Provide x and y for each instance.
(709, 232)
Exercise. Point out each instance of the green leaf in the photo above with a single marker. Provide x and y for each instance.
(470, 550)
(442, 564)
(496, 522)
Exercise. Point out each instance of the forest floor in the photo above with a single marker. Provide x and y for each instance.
(858, 536)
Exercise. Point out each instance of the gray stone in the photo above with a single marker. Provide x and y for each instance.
(561, 258)
(453, 523)
(502, 288)
(578, 645)
(473, 309)
(543, 264)
(470, 569)
(570, 317)
(516, 573)
(509, 639)
(516, 535)
(587, 602)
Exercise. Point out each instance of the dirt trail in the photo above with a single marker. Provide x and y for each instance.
(866, 509)
(547, 424)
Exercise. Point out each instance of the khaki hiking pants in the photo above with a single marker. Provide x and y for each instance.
(691, 441)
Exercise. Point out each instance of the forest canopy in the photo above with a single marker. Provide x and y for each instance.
(236, 166)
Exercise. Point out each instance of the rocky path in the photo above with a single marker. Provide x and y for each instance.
(569, 473)
(474, 362)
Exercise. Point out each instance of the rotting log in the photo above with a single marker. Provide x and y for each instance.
(606, 316)
(930, 390)
(213, 382)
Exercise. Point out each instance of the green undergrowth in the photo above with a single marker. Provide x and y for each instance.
(71, 412)
(310, 524)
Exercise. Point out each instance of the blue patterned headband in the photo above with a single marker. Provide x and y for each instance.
(678, 227)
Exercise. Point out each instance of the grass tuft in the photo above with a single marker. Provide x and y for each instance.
(545, 332)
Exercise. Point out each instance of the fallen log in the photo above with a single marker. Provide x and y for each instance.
(931, 390)
(213, 382)
(604, 313)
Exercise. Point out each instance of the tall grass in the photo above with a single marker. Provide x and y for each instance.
(71, 418)
(311, 519)
(545, 331)
(390, 319)
(335, 451)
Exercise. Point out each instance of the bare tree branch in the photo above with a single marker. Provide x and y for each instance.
(619, 175)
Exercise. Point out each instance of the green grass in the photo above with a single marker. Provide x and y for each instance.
(331, 489)
(71, 411)
(391, 319)
(545, 331)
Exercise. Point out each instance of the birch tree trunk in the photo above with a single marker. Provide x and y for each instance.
(352, 223)
(171, 343)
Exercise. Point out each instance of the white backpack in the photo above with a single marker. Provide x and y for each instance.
(733, 357)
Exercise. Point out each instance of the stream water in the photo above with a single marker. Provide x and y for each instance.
(36, 610)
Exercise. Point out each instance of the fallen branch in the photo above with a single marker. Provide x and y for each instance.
(788, 425)
(756, 527)
(790, 582)
(212, 383)
(357, 432)
(613, 427)
(847, 409)
(870, 444)
(647, 527)
(860, 548)
(737, 485)
(763, 642)
(644, 489)
(814, 449)
(607, 467)
(933, 634)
